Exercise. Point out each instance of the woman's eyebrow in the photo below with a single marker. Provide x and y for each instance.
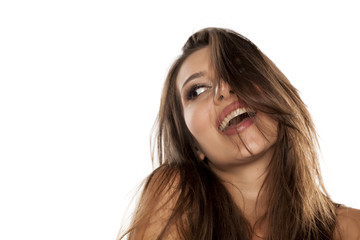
(192, 77)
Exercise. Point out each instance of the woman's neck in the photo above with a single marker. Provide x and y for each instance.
(244, 183)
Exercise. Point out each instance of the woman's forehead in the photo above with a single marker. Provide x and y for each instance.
(196, 65)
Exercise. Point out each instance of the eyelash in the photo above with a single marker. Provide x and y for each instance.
(193, 90)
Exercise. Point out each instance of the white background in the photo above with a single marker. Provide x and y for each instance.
(80, 85)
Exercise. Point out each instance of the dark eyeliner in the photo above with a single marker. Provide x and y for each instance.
(190, 93)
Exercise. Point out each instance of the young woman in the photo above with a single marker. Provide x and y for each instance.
(237, 151)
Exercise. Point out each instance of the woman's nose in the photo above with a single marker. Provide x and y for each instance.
(222, 92)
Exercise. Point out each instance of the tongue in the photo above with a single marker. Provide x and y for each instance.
(238, 119)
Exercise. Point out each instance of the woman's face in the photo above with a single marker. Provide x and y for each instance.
(221, 125)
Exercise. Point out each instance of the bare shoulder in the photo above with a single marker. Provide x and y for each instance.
(157, 205)
(162, 188)
(163, 180)
(348, 220)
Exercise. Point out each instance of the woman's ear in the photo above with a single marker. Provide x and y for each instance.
(200, 154)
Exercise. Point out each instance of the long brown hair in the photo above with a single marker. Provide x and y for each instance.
(201, 207)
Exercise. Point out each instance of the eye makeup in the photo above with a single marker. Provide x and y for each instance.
(195, 90)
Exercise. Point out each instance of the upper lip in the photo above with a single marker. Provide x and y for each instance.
(227, 110)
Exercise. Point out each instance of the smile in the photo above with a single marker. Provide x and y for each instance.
(235, 118)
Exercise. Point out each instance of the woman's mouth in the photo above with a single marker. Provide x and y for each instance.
(235, 118)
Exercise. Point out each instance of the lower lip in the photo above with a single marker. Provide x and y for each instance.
(239, 128)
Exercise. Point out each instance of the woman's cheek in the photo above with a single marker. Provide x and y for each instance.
(197, 121)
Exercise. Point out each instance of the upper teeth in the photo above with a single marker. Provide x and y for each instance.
(230, 116)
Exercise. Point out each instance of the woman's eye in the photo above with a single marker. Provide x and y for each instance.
(196, 90)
